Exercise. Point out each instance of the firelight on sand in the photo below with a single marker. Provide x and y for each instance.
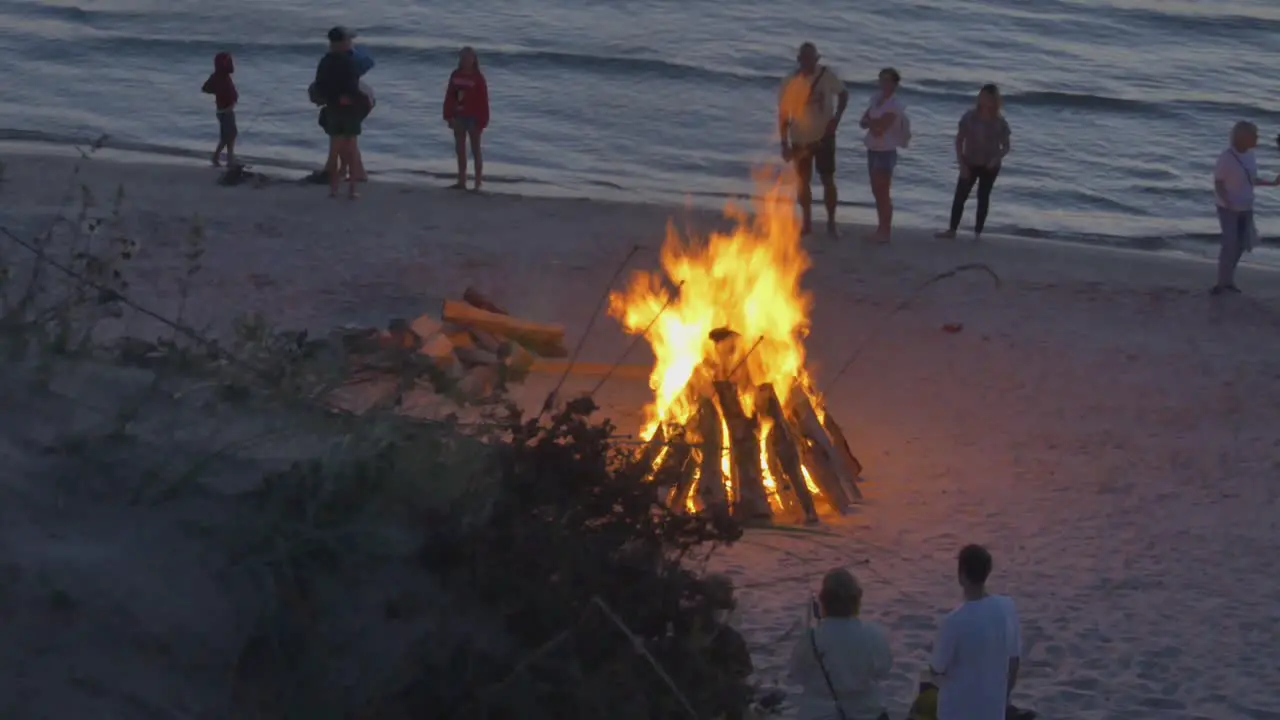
(729, 373)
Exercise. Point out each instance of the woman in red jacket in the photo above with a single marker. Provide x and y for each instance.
(466, 110)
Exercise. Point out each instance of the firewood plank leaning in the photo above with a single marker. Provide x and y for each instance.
(711, 440)
(843, 456)
(752, 502)
(785, 446)
(544, 339)
(829, 472)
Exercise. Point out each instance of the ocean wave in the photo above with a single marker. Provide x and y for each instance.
(1181, 17)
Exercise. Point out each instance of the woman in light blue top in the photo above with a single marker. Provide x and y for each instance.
(841, 660)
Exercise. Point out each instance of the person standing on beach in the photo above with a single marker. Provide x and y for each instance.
(466, 112)
(981, 144)
(223, 89)
(338, 87)
(1234, 178)
(841, 661)
(888, 129)
(807, 126)
(978, 650)
(364, 63)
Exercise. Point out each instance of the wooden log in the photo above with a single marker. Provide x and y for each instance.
(711, 440)
(478, 299)
(829, 473)
(843, 455)
(474, 356)
(544, 339)
(653, 448)
(517, 360)
(751, 501)
(402, 337)
(458, 335)
(785, 447)
(823, 472)
(674, 470)
(485, 341)
(434, 344)
(479, 383)
(791, 511)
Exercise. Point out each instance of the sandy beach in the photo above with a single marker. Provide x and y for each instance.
(1104, 426)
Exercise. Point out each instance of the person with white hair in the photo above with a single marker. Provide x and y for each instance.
(841, 660)
(1234, 178)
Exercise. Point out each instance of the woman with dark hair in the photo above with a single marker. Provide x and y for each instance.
(841, 660)
(337, 84)
(982, 141)
(887, 130)
(466, 110)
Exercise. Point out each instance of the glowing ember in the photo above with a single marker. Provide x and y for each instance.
(730, 342)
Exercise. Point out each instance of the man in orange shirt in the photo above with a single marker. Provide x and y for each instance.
(807, 127)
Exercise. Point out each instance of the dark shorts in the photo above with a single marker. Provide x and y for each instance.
(462, 123)
(882, 161)
(342, 122)
(227, 126)
(820, 156)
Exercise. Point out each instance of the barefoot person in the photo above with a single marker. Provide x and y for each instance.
(841, 661)
(887, 130)
(1234, 179)
(223, 89)
(338, 86)
(981, 144)
(466, 111)
(807, 126)
(978, 651)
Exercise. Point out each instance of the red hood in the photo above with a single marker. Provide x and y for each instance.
(223, 63)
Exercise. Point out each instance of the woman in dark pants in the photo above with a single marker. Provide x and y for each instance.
(981, 144)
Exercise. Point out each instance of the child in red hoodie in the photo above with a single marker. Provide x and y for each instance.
(223, 89)
(466, 110)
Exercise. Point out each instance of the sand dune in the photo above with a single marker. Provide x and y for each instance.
(1107, 429)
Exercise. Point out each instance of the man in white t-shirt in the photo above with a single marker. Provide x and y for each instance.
(1234, 178)
(979, 647)
(807, 125)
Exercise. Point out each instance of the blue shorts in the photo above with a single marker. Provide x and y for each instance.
(464, 123)
(882, 160)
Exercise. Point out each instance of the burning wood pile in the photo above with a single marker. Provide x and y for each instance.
(735, 421)
(473, 351)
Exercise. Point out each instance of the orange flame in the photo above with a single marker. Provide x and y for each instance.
(748, 281)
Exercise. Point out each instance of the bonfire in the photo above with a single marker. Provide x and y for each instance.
(736, 418)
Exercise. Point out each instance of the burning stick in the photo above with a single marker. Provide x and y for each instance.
(843, 455)
(752, 503)
(783, 444)
(710, 478)
(830, 473)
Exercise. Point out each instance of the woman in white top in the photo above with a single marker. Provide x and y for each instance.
(841, 661)
(885, 123)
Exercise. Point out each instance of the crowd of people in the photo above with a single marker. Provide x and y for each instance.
(813, 102)
(811, 106)
(345, 101)
(841, 661)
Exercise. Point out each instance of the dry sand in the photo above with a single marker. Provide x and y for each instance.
(1107, 429)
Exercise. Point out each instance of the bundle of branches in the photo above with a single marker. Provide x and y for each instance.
(590, 577)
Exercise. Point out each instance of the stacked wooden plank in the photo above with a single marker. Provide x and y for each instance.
(474, 348)
(793, 446)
